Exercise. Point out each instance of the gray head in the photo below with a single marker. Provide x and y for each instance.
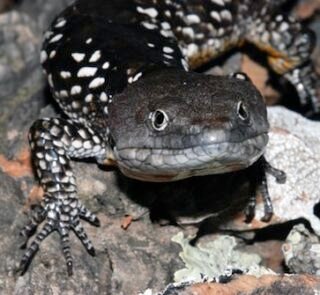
(173, 124)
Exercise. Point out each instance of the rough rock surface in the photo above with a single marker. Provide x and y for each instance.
(143, 256)
(302, 251)
(248, 285)
(295, 148)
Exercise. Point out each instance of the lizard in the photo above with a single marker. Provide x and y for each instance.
(121, 71)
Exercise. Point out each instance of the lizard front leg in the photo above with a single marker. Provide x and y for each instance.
(258, 183)
(53, 143)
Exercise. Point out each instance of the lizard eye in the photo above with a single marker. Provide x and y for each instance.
(242, 111)
(159, 120)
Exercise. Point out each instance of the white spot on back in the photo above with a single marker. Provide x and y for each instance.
(56, 38)
(192, 49)
(168, 56)
(221, 31)
(165, 26)
(88, 98)
(65, 74)
(61, 23)
(136, 77)
(95, 56)
(78, 57)
(284, 27)
(218, 2)
(188, 32)
(152, 12)
(193, 19)
(166, 34)
(63, 93)
(42, 164)
(167, 49)
(103, 97)
(85, 110)
(96, 139)
(167, 13)
(83, 133)
(75, 104)
(52, 54)
(215, 15)
(76, 90)
(77, 143)
(106, 65)
(50, 81)
(47, 34)
(88, 41)
(87, 144)
(87, 72)
(184, 64)
(97, 82)
(226, 14)
(149, 26)
(43, 56)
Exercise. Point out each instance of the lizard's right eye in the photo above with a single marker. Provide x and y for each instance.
(242, 111)
(159, 120)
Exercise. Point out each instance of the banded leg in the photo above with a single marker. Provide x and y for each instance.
(53, 143)
(37, 216)
(289, 47)
(258, 182)
(251, 206)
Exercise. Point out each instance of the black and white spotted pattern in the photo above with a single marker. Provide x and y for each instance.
(94, 49)
(53, 143)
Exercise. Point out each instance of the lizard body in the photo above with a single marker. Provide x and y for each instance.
(120, 71)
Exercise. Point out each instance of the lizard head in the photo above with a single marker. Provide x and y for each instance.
(172, 125)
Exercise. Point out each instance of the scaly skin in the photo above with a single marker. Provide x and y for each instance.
(119, 71)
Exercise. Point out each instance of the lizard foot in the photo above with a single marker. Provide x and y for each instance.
(259, 183)
(62, 216)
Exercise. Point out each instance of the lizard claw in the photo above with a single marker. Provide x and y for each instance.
(37, 216)
(61, 218)
(70, 268)
(27, 258)
(34, 247)
(250, 210)
(81, 234)
(259, 183)
(87, 215)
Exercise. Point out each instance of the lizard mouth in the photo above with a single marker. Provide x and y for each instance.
(165, 164)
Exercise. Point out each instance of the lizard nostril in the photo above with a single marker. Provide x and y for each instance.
(242, 111)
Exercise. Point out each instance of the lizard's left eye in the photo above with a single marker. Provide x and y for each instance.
(242, 111)
(159, 120)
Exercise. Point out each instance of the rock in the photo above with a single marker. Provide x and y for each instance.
(43, 11)
(248, 285)
(294, 147)
(11, 200)
(20, 78)
(302, 251)
(306, 9)
(215, 258)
